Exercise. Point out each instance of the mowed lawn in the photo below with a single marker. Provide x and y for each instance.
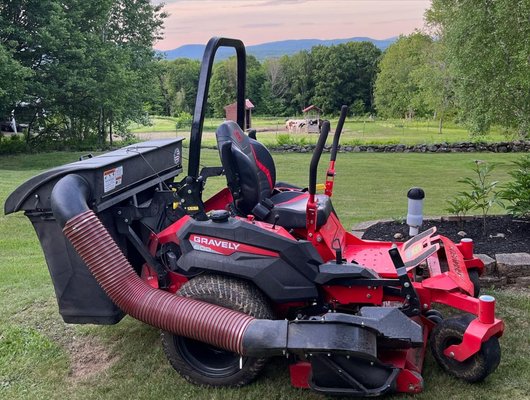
(356, 131)
(43, 358)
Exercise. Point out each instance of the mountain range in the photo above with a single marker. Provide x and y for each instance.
(270, 49)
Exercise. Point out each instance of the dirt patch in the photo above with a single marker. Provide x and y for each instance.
(503, 234)
(88, 357)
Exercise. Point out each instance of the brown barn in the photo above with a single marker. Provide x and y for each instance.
(231, 113)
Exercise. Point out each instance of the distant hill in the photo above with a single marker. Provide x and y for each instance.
(270, 49)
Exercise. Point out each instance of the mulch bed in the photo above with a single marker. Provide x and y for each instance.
(504, 234)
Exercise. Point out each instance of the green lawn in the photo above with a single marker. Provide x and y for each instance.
(43, 358)
(356, 131)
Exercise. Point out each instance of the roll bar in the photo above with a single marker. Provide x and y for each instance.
(202, 95)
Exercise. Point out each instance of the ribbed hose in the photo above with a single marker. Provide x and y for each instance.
(194, 319)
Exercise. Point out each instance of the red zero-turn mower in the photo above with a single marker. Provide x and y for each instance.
(260, 269)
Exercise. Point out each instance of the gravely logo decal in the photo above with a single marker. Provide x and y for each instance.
(215, 242)
(455, 261)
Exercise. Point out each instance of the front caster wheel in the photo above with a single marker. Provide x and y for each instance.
(206, 365)
(474, 278)
(476, 368)
(434, 316)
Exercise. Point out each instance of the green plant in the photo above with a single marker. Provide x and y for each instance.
(401, 219)
(517, 192)
(12, 145)
(183, 120)
(481, 194)
(459, 205)
(284, 138)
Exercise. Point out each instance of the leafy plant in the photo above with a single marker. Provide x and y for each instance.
(481, 194)
(12, 145)
(460, 206)
(399, 219)
(183, 120)
(284, 138)
(517, 192)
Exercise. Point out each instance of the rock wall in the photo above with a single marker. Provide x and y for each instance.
(464, 147)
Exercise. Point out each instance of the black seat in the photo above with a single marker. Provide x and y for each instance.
(289, 209)
(251, 178)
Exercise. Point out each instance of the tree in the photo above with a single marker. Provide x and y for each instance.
(13, 78)
(90, 61)
(224, 83)
(397, 92)
(299, 75)
(435, 83)
(344, 74)
(487, 52)
(275, 87)
(177, 83)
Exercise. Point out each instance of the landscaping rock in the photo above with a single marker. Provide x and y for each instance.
(523, 281)
(498, 235)
(489, 264)
(502, 147)
(492, 282)
(513, 265)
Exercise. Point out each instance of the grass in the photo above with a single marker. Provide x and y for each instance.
(38, 352)
(356, 131)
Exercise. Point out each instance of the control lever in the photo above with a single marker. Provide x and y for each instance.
(412, 306)
(338, 251)
(330, 175)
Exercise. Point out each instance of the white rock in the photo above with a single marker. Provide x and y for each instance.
(498, 235)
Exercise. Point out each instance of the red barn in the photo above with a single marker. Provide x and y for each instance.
(231, 113)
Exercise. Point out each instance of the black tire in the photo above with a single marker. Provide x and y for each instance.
(477, 367)
(206, 365)
(434, 313)
(474, 278)
(434, 316)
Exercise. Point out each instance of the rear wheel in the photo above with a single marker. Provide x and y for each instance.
(476, 368)
(203, 364)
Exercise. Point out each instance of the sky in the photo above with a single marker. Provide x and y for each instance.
(260, 21)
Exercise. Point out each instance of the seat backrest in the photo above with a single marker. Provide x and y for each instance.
(248, 165)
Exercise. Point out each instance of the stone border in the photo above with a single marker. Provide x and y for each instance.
(505, 268)
(460, 147)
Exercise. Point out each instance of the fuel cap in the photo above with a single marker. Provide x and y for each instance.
(219, 216)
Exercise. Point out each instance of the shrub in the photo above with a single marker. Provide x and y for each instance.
(460, 205)
(12, 145)
(517, 192)
(480, 196)
(183, 120)
(284, 138)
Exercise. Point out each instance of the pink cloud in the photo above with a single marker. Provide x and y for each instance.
(259, 21)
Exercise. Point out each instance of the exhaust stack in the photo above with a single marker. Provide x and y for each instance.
(415, 210)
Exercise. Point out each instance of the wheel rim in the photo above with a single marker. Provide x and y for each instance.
(208, 360)
(450, 341)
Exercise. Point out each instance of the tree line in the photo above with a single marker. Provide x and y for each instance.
(325, 76)
(470, 65)
(82, 70)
